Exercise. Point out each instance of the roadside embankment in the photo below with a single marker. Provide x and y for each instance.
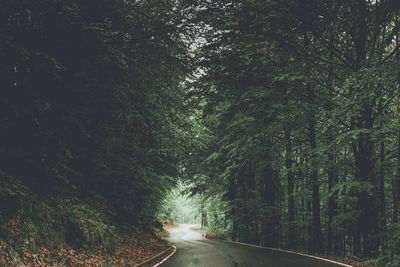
(60, 228)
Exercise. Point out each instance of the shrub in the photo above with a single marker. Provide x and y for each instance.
(86, 228)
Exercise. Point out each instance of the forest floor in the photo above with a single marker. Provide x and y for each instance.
(207, 235)
(62, 229)
(170, 224)
(135, 249)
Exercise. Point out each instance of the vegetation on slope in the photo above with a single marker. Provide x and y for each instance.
(91, 105)
(63, 229)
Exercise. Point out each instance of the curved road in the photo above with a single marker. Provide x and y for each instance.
(194, 250)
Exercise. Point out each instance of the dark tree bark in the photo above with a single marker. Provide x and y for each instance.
(242, 205)
(382, 206)
(364, 154)
(270, 237)
(251, 195)
(396, 185)
(232, 195)
(234, 235)
(332, 238)
(367, 199)
(317, 239)
(290, 192)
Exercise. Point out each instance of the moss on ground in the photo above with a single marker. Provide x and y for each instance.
(63, 230)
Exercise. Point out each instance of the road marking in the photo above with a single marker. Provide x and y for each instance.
(146, 262)
(173, 252)
(288, 251)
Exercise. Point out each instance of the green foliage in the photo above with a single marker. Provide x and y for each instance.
(92, 98)
(25, 221)
(392, 240)
(179, 206)
(300, 105)
(86, 228)
(217, 211)
(283, 117)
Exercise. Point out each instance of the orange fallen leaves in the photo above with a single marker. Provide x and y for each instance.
(136, 244)
(346, 261)
(134, 249)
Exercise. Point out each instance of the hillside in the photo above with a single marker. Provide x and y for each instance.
(62, 229)
(91, 102)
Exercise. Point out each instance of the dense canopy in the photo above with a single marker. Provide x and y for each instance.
(281, 118)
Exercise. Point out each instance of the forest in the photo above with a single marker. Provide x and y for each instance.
(279, 121)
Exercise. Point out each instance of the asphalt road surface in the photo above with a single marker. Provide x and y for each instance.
(194, 250)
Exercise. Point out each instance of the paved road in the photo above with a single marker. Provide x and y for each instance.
(194, 250)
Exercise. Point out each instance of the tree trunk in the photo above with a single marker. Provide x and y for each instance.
(367, 198)
(270, 237)
(396, 185)
(204, 221)
(356, 241)
(290, 187)
(382, 206)
(382, 203)
(232, 195)
(317, 240)
(364, 157)
(244, 214)
(251, 196)
(398, 173)
(395, 197)
(234, 235)
(332, 180)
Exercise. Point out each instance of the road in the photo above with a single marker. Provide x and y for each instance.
(194, 250)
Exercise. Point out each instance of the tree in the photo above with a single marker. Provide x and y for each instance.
(311, 84)
(92, 98)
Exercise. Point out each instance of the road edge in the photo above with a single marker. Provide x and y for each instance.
(157, 257)
(286, 251)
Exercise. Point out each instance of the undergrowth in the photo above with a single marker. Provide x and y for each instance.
(62, 229)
